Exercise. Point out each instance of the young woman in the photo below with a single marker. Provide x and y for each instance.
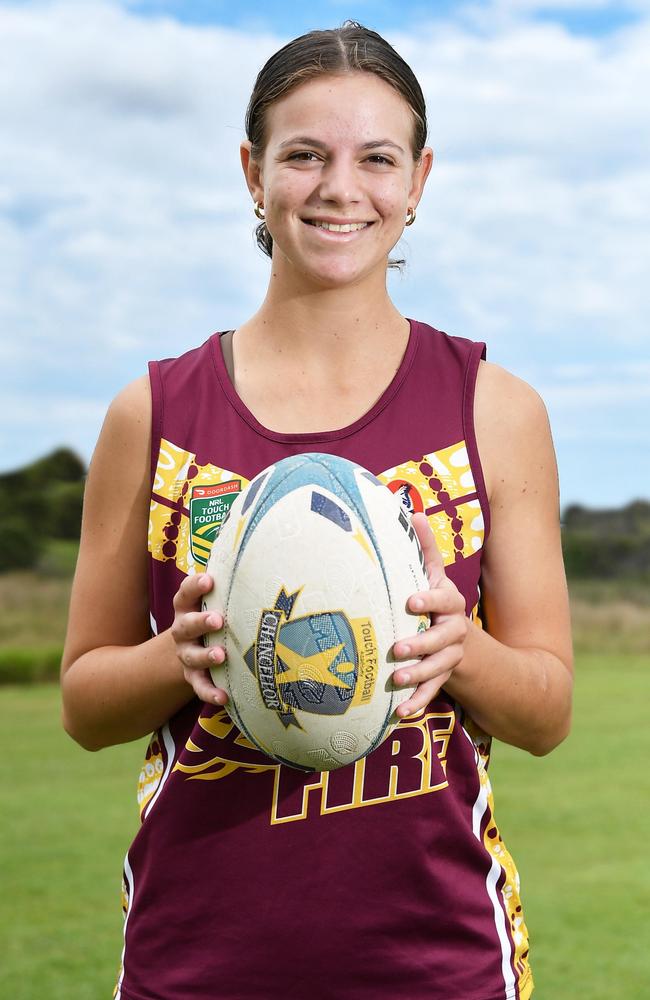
(386, 878)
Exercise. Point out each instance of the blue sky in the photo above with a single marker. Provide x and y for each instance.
(293, 18)
(126, 230)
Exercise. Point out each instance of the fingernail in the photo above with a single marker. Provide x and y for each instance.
(405, 678)
(405, 650)
(214, 622)
(417, 603)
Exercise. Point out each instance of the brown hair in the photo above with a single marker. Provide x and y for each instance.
(350, 48)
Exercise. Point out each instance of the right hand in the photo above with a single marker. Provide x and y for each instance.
(189, 626)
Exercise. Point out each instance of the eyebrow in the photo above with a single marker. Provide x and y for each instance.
(306, 140)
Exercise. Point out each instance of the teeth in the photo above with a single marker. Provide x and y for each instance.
(333, 227)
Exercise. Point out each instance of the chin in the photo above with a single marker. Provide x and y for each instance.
(337, 279)
(340, 273)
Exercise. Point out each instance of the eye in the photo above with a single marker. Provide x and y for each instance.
(303, 156)
(380, 160)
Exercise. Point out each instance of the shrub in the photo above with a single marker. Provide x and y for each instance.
(27, 666)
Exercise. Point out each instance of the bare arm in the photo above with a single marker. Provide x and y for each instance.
(515, 679)
(117, 683)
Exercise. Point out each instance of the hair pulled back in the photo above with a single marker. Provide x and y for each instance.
(350, 48)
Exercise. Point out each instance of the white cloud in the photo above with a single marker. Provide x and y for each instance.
(541, 195)
(126, 229)
(501, 14)
(120, 186)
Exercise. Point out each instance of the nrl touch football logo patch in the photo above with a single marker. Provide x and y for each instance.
(209, 508)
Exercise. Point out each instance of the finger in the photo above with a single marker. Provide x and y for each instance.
(195, 656)
(432, 557)
(423, 694)
(194, 624)
(440, 600)
(191, 590)
(429, 667)
(450, 632)
(204, 687)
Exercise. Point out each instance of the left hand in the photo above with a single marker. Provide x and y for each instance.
(440, 648)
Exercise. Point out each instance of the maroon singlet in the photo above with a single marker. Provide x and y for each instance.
(249, 880)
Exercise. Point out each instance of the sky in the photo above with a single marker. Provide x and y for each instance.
(126, 231)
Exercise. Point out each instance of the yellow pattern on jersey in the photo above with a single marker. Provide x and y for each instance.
(177, 474)
(451, 467)
(151, 773)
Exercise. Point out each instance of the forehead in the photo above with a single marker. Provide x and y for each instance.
(354, 107)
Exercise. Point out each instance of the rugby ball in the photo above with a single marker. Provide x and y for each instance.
(312, 570)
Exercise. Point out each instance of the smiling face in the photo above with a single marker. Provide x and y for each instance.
(336, 178)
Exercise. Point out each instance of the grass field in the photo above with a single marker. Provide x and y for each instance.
(67, 819)
(576, 821)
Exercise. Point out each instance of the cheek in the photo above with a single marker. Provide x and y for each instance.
(393, 194)
(392, 207)
(285, 192)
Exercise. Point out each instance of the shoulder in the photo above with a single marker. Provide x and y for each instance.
(499, 393)
(128, 417)
(512, 429)
(124, 441)
(506, 406)
(133, 402)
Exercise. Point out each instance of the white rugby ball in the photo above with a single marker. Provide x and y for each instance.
(312, 570)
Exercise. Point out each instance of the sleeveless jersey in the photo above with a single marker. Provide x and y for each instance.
(249, 879)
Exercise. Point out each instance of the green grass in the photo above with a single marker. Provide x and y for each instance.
(576, 823)
(68, 817)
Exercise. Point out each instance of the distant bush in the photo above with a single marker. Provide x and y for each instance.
(607, 544)
(59, 559)
(60, 466)
(39, 503)
(65, 501)
(632, 520)
(606, 558)
(28, 666)
(21, 545)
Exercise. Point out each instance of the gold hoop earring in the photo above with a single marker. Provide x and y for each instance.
(410, 217)
(259, 211)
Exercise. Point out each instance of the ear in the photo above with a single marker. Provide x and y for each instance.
(252, 172)
(421, 171)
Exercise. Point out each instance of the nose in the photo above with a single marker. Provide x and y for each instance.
(339, 181)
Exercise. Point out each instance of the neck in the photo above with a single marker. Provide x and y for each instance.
(319, 322)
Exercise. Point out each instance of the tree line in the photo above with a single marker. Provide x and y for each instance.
(42, 502)
(38, 503)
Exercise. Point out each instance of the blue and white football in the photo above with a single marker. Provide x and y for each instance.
(312, 570)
